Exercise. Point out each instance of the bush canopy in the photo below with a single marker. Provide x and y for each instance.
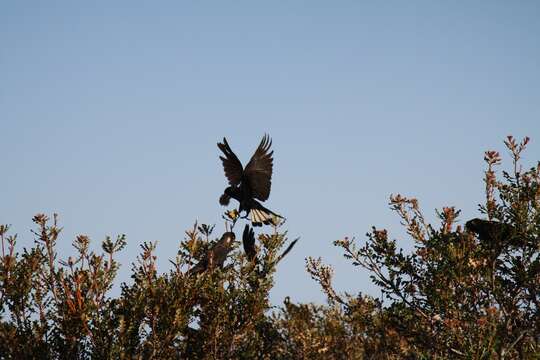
(468, 291)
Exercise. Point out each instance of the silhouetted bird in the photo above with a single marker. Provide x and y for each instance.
(492, 234)
(251, 183)
(248, 238)
(216, 255)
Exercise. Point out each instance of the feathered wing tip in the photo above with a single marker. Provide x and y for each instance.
(259, 217)
(248, 240)
(266, 143)
(224, 199)
(289, 248)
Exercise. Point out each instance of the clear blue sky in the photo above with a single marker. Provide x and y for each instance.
(110, 114)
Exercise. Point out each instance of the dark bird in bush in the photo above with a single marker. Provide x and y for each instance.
(216, 255)
(492, 234)
(250, 184)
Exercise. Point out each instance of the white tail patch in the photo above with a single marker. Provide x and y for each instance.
(260, 216)
(254, 216)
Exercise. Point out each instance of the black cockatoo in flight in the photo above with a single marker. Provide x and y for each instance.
(249, 184)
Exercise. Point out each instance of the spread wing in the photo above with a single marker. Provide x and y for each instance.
(258, 171)
(231, 164)
(248, 239)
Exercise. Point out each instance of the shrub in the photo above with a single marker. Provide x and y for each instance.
(461, 292)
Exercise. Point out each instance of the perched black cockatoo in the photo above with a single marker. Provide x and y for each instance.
(216, 255)
(492, 234)
(251, 183)
(248, 239)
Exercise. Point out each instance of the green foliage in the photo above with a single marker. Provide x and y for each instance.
(59, 309)
(459, 293)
